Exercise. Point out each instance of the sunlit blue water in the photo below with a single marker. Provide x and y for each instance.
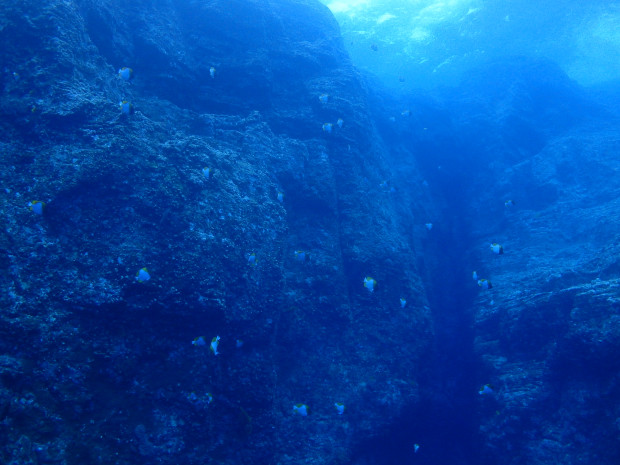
(425, 43)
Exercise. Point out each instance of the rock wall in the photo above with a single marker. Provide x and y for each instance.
(547, 333)
(97, 367)
(545, 337)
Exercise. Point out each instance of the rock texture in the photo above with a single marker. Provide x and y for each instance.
(546, 336)
(548, 332)
(97, 367)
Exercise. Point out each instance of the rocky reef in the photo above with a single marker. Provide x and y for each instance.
(257, 179)
(519, 155)
(184, 180)
(548, 333)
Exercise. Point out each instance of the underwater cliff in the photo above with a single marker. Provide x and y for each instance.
(249, 221)
(520, 156)
(548, 333)
(222, 243)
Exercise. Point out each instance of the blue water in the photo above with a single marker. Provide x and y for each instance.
(410, 44)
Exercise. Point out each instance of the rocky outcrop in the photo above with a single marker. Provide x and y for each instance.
(548, 331)
(546, 334)
(98, 367)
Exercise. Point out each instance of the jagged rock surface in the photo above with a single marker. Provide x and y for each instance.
(547, 335)
(99, 368)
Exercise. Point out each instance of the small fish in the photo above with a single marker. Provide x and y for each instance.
(280, 197)
(374, 47)
(403, 303)
(324, 98)
(484, 284)
(405, 113)
(215, 342)
(300, 255)
(15, 75)
(327, 127)
(475, 275)
(199, 341)
(486, 389)
(212, 72)
(239, 343)
(143, 275)
(126, 107)
(429, 226)
(496, 248)
(252, 259)
(206, 399)
(416, 448)
(509, 203)
(300, 409)
(37, 207)
(370, 283)
(125, 73)
(206, 172)
(340, 122)
(339, 406)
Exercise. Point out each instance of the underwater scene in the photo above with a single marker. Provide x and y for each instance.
(336, 232)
